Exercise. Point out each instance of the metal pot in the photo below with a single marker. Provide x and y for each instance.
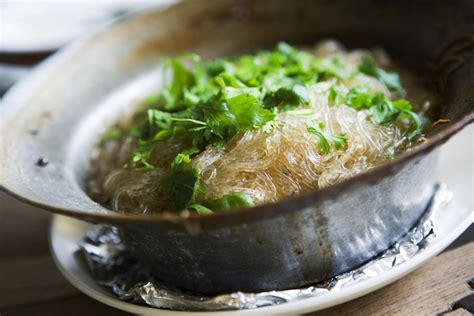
(50, 122)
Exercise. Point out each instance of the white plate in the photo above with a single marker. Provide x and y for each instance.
(40, 26)
(456, 170)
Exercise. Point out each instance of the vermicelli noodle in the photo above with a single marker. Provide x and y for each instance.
(268, 164)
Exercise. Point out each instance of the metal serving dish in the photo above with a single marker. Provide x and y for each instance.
(58, 112)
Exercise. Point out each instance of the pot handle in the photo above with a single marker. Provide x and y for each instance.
(448, 58)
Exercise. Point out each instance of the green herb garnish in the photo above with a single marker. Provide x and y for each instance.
(390, 79)
(229, 201)
(323, 143)
(112, 133)
(200, 209)
(340, 141)
(183, 183)
(232, 200)
(384, 111)
(207, 103)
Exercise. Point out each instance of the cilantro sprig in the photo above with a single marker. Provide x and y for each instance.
(229, 201)
(324, 143)
(390, 79)
(384, 111)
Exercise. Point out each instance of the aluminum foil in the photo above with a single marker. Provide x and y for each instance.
(113, 266)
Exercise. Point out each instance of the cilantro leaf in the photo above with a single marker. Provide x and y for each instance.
(182, 78)
(390, 79)
(340, 141)
(200, 209)
(359, 98)
(287, 98)
(323, 143)
(418, 123)
(402, 105)
(286, 49)
(248, 112)
(228, 116)
(232, 200)
(337, 93)
(183, 183)
(382, 110)
(112, 133)
(141, 156)
(217, 67)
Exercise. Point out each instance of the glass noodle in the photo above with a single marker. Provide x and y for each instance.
(304, 148)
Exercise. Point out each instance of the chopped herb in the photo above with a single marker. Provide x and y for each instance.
(141, 156)
(340, 141)
(173, 97)
(390, 79)
(359, 98)
(200, 209)
(152, 100)
(417, 124)
(226, 117)
(337, 93)
(232, 200)
(287, 98)
(323, 143)
(403, 105)
(332, 68)
(384, 111)
(229, 201)
(183, 183)
(248, 112)
(112, 133)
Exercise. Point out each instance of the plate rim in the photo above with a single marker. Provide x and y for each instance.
(301, 306)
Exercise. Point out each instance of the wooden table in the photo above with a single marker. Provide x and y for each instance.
(30, 284)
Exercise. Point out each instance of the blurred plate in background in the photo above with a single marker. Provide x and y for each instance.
(41, 26)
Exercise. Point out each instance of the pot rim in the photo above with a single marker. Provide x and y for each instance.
(51, 64)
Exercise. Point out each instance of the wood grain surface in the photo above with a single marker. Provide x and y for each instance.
(30, 284)
(430, 290)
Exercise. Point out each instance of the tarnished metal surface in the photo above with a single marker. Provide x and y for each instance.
(113, 266)
(50, 115)
(304, 247)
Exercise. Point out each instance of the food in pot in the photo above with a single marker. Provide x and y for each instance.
(239, 132)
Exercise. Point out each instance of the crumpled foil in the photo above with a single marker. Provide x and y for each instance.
(114, 267)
